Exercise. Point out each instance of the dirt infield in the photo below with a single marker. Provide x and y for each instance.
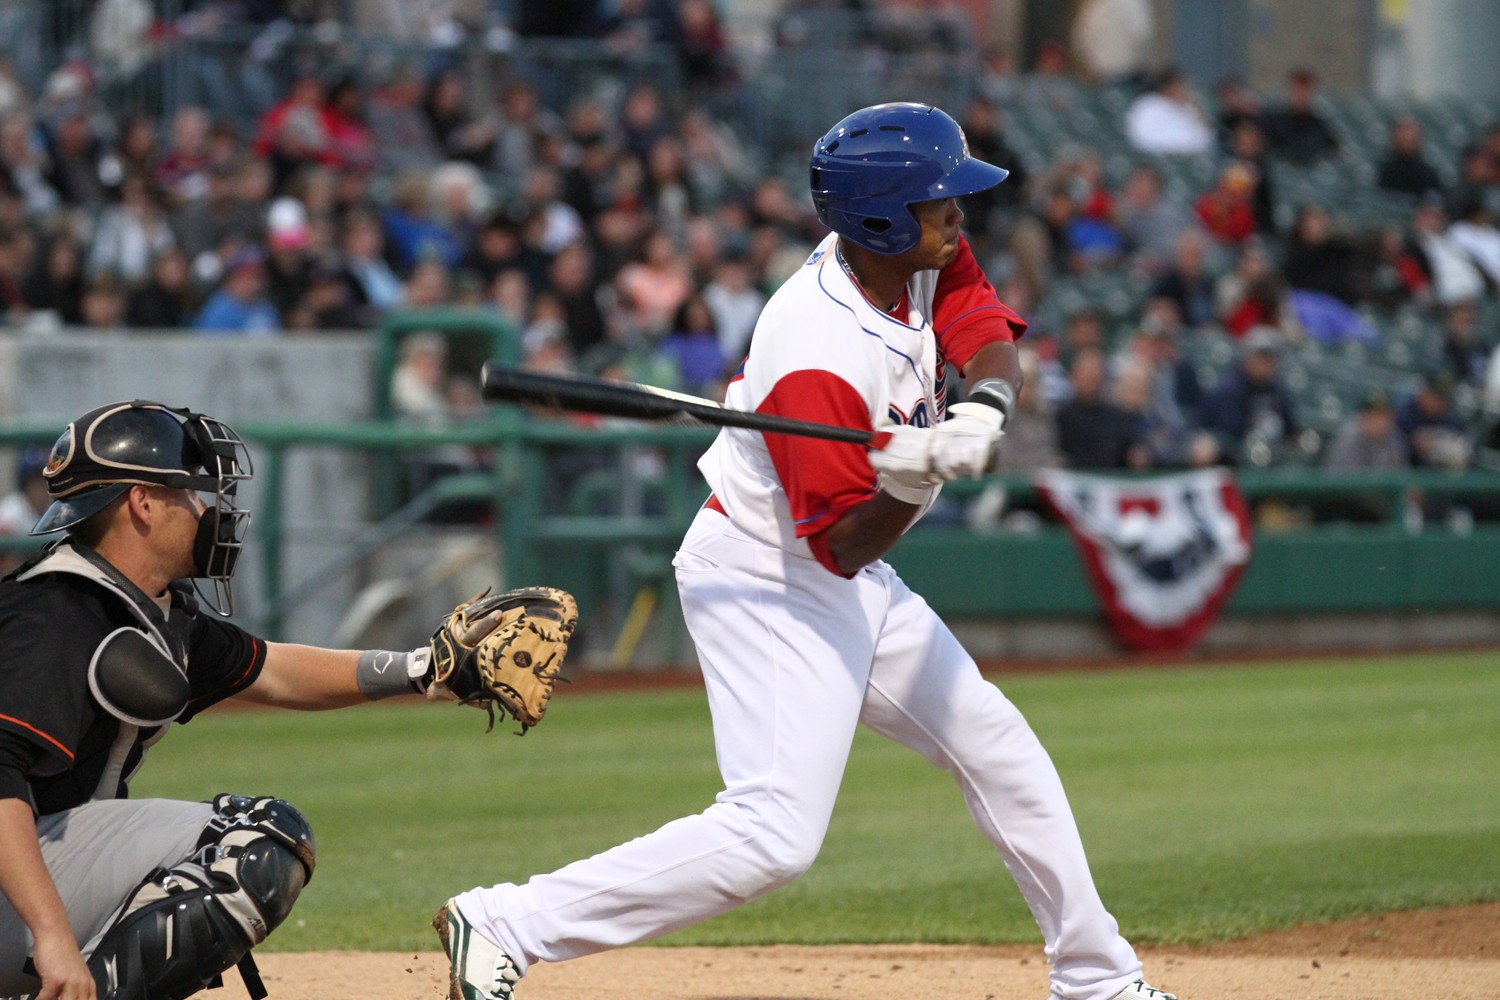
(1453, 953)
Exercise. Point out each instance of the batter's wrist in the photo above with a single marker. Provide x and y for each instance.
(994, 392)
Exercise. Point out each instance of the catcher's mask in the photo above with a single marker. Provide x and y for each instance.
(105, 451)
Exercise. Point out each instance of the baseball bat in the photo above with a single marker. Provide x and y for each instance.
(580, 393)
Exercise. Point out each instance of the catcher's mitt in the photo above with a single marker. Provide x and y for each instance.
(505, 649)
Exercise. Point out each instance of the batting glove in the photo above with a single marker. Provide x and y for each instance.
(915, 458)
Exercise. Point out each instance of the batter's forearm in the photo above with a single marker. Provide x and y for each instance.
(867, 532)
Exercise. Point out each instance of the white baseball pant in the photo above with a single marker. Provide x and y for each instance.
(793, 658)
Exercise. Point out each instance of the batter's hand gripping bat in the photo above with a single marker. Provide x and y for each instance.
(501, 383)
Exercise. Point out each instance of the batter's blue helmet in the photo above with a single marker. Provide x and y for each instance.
(876, 162)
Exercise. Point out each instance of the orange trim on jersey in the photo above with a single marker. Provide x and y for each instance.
(255, 647)
(30, 728)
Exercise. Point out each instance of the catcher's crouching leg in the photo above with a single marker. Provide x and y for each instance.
(182, 927)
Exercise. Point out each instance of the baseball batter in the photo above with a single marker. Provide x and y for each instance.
(103, 647)
(802, 630)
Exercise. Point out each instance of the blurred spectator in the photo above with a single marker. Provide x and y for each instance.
(1250, 411)
(643, 120)
(459, 135)
(670, 196)
(131, 233)
(981, 122)
(420, 395)
(227, 212)
(1131, 392)
(351, 140)
(692, 344)
(1397, 274)
(703, 49)
(412, 235)
(1167, 399)
(1092, 432)
(1465, 353)
(570, 278)
(240, 306)
(1226, 209)
(1050, 85)
(557, 224)
(296, 131)
(1247, 143)
(56, 282)
(1454, 275)
(1473, 230)
(998, 80)
(1368, 439)
(515, 128)
(510, 295)
(427, 287)
(1031, 434)
(328, 302)
(103, 305)
(544, 341)
(1187, 283)
(23, 164)
(736, 305)
(1294, 129)
(1404, 169)
(1151, 223)
(80, 169)
(1478, 177)
(1237, 105)
(1113, 39)
(166, 299)
(15, 264)
(1318, 258)
(460, 203)
(719, 162)
(1435, 434)
(183, 171)
(1253, 294)
(288, 253)
(588, 185)
(135, 149)
(1167, 119)
(497, 247)
(653, 286)
(22, 508)
(403, 137)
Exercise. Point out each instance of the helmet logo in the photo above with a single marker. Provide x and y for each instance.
(61, 452)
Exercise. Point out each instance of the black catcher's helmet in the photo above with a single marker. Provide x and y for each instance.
(105, 451)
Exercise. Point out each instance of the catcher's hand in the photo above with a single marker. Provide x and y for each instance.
(504, 649)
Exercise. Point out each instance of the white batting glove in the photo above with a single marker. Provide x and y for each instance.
(982, 412)
(914, 458)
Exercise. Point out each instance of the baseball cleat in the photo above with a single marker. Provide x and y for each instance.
(1141, 990)
(477, 970)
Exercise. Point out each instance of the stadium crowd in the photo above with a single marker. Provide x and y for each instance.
(636, 231)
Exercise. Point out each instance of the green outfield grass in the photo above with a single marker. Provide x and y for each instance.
(1214, 801)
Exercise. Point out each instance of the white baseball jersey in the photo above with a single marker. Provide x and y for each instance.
(823, 352)
(796, 655)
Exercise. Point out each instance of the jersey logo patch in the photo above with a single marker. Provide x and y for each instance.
(920, 415)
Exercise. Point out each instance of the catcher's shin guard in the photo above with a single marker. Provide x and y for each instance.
(180, 929)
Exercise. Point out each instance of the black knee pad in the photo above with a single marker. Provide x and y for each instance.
(184, 926)
(175, 940)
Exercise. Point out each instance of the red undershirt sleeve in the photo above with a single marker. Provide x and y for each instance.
(822, 479)
(967, 314)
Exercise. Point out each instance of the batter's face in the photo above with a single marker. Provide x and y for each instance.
(940, 222)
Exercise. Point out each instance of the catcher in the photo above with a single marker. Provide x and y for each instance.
(104, 645)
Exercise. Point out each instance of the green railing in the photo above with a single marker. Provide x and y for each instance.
(1339, 567)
